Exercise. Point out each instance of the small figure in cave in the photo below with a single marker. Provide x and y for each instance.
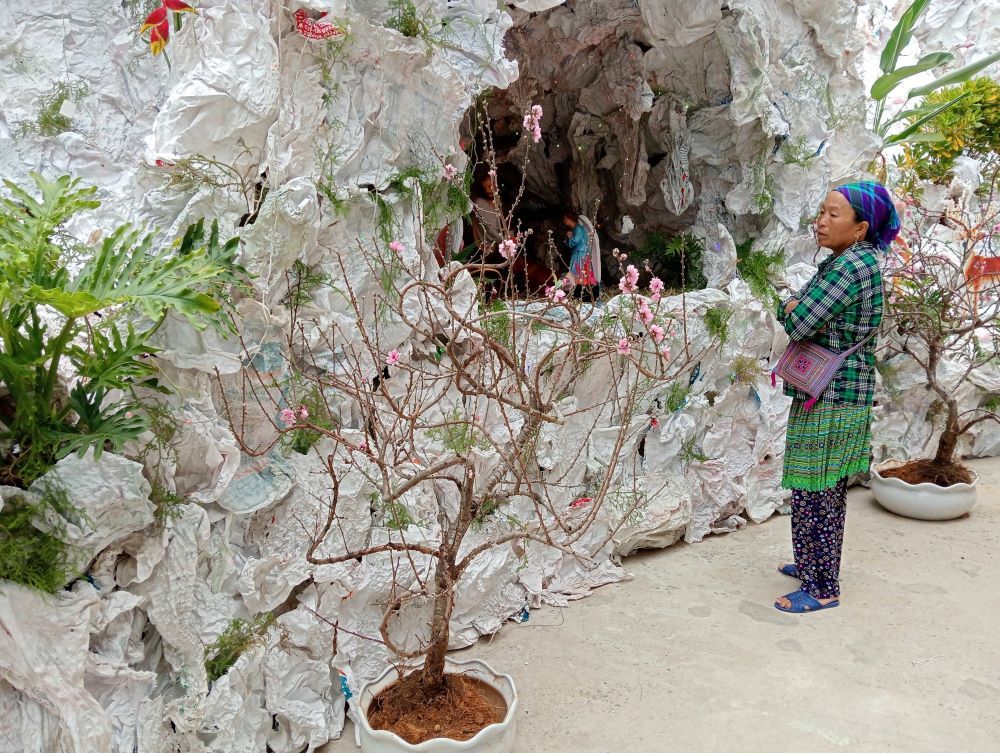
(584, 276)
(487, 223)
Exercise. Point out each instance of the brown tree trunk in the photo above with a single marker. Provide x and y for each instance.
(432, 677)
(949, 439)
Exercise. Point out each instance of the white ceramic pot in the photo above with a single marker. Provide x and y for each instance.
(496, 738)
(922, 501)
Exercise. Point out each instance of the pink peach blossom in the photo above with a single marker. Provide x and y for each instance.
(508, 249)
(532, 123)
(655, 288)
(629, 280)
(645, 314)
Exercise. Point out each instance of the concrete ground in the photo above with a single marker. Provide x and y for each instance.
(690, 655)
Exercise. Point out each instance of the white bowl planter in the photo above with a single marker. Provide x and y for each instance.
(496, 738)
(922, 501)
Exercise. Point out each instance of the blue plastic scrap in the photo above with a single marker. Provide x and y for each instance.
(343, 686)
(695, 373)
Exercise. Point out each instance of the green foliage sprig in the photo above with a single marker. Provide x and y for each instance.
(30, 556)
(756, 267)
(239, 636)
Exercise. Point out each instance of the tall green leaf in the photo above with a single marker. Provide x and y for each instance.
(915, 126)
(918, 111)
(901, 35)
(922, 137)
(888, 82)
(957, 76)
(27, 224)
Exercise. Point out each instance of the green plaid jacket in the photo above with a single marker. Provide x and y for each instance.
(839, 306)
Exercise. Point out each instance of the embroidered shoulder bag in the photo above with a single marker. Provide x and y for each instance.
(811, 367)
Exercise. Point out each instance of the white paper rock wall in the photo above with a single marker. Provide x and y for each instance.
(116, 663)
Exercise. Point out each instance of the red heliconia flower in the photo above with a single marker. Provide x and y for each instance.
(159, 35)
(178, 7)
(157, 23)
(154, 19)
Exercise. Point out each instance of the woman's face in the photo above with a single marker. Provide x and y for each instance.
(836, 227)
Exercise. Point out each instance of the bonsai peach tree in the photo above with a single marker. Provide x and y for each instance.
(424, 391)
(942, 286)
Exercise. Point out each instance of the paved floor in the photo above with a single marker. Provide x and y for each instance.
(691, 656)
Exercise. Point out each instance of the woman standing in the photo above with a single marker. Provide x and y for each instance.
(828, 442)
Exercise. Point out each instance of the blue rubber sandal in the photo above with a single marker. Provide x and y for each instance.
(789, 570)
(802, 602)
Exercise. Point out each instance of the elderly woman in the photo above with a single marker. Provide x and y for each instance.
(831, 440)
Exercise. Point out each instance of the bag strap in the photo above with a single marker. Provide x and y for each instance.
(870, 335)
(858, 344)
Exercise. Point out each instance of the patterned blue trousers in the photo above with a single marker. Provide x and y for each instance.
(817, 538)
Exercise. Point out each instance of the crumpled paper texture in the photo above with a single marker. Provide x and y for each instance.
(719, 121)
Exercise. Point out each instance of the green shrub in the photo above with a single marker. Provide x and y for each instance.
(457, 434)
(690, 452)
(798, 151)
(971, 126)
(95, 321)
(497, 322)
(168, 504)
(747, 370)
(444, 200)
(395, 514)
(676, 398)
(678, 259)
(308, 395)
(303, 281)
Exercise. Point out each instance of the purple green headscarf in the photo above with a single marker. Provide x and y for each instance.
(875, 205)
